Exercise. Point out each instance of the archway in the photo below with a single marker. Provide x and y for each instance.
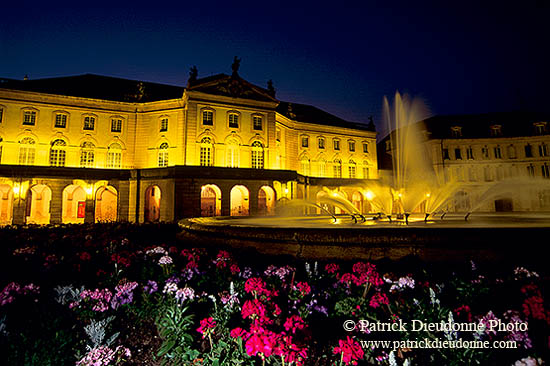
(357, 201)
(211, 200)
(73, 208)
(152, 204)
(239, 201)
(266, 201)
(38, 205)
(6, 204)
(106, 204)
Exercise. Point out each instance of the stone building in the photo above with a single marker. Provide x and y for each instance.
(94, 148)
(507, 152)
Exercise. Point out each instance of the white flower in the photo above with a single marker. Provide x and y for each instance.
(166, 260)
(170, 287)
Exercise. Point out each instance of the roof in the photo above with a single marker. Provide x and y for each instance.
(231, 86)
(513, 124)
(135, 91)
(310, 114)
(98, 87)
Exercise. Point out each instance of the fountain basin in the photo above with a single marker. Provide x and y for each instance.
(481, 238)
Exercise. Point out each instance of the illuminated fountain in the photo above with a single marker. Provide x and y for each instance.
(401, 218)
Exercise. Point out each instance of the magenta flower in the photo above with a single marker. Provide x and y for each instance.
(350, 351)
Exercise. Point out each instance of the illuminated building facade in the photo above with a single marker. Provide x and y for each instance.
(93, 148)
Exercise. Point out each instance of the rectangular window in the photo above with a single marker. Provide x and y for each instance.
(116, 125)
(164, 125)
(26, 155)
(89, 123)
(528, 151)
(87, 159)
(543, 150)
(545, 171)
(531, 170)
(114, 159)
(278, 135)
(60, 120)
(351, 146)
(205, 156)
(163, 158)
(336, 144)
(208, 118)
(497, 152)
(485, 152)
(470, 153)
(1, 114)
(351, 171)
(366, 148)
(305, 141)
(321, 143)
(257, 123)
(29, 118)
(365, 173)
(458, 154)
(257, 159)
(233, 121)
(337, 169)
(57, 157)
(446, 154)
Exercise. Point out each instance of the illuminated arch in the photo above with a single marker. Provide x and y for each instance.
(106, 203)
(239, 201)
(73, 205)
(211, 200)
(152, 204)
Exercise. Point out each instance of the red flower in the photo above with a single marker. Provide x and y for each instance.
(238, 332)
(253, 309)
(350, 350)
(257, 287)
(85, 256)
(332, 268)
(207, 324)
(304, 288)
(378, 299)
(294, 323)
(234, 269)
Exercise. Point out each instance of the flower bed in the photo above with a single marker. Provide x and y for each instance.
(129, 294)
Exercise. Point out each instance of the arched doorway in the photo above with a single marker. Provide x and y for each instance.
(38, 205)
(266, 201)
(152, 204)
(211, 200)
(73, 209)
(6, 204)
(239, 201)
(357, 201)
(106, 204)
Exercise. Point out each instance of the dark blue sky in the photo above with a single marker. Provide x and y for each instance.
(460, 57)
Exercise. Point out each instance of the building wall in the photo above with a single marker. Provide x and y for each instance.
(141, 137)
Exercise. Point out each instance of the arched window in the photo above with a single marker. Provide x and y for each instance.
(352, 169)
(58, 153)
(27, 151)
(114, 156)
(366, 170)
(232, 153)
(304, 165)
(337, 168)
(257, 155)
(163, 154)
(87, 155)
(206, 152)
(322, 167)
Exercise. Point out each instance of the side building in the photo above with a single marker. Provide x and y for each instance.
(507, 152)
(92, 148)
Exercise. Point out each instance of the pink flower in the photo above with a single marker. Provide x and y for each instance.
(304, 288)
(350, 351)
(237, 332)
(207, 326)
(294, 323)
(332, 268)
(253, 309)
(378, 299)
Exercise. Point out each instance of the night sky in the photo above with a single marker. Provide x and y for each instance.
(343, 57)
